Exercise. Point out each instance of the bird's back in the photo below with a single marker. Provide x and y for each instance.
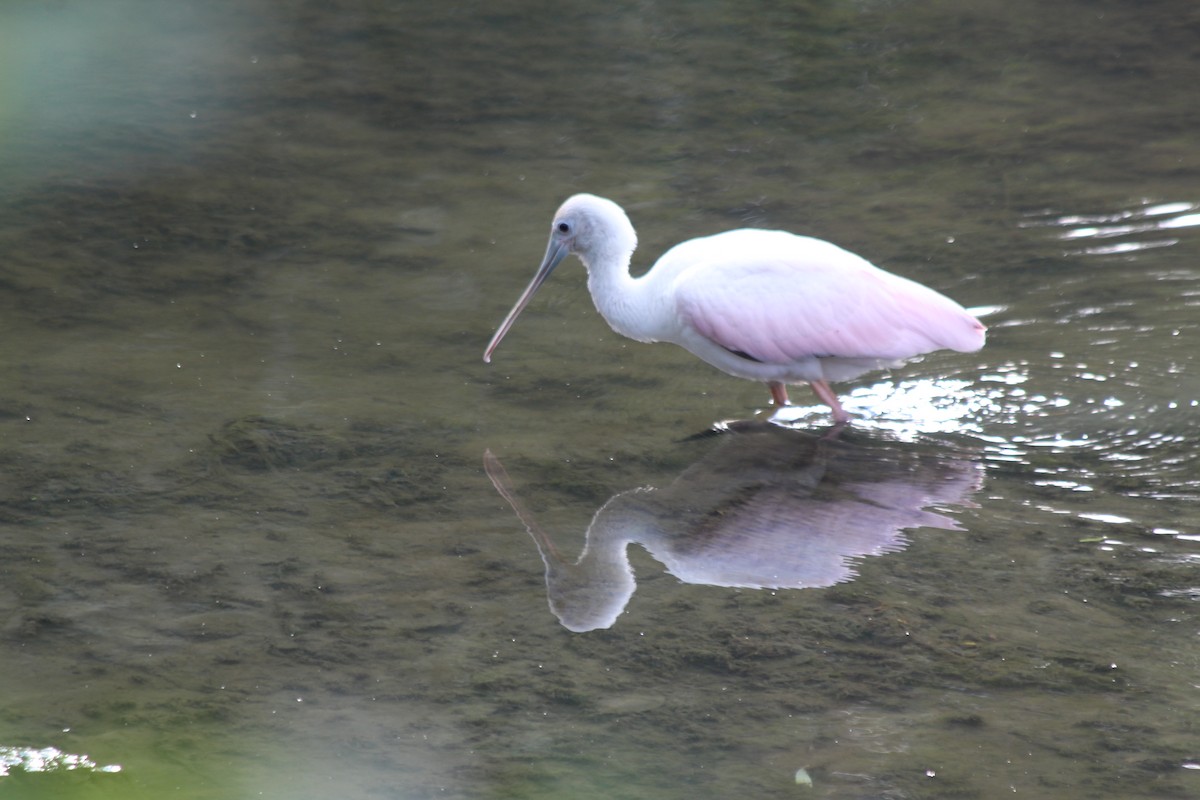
(778, 297)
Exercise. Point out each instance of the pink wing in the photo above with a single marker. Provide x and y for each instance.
(808, 298)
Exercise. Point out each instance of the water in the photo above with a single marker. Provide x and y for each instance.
(252, 254)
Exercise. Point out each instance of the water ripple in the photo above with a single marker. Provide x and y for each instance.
(1149, 218)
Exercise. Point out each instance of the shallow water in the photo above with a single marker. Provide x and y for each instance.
(252, 254)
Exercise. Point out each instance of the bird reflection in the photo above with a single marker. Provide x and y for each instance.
(765, 508)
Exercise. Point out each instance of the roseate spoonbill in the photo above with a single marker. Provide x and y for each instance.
(758, 304)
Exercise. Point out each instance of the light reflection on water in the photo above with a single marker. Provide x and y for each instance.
(906, 408)
(1149, 218)
(46, 759)
(1140, 409)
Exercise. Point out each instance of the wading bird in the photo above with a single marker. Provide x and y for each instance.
(762, 305)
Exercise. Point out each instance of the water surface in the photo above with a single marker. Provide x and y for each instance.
(252, 254)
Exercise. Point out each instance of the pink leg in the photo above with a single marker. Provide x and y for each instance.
(778, 393)
(826, 395)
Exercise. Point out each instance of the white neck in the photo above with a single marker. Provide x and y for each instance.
(625, 302)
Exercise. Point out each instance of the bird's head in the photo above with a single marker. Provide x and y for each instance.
(591, 227)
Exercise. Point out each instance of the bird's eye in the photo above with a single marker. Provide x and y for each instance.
(564, 227)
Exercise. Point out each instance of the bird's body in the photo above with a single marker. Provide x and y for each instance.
(758, 304)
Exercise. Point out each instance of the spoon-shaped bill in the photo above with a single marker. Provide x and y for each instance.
(555, 253)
